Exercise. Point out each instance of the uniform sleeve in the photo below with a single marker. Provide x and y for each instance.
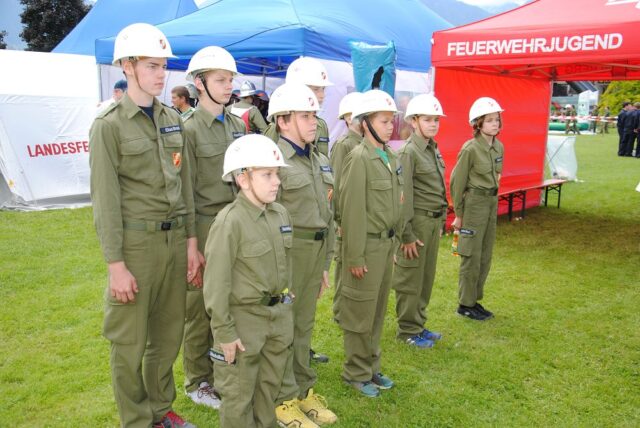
(187, 177)
(338, 153)
(256, 118)
(105, 189)
(406, 160)
(353, 188)
(220, 252)
(272, 133)
(458, 181)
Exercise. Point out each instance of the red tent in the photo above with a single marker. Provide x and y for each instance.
(513, 57)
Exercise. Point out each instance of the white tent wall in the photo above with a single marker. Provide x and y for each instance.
(47, 104)
(408, 84)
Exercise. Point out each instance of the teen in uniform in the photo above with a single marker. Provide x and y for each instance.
(305, 192)
(339, 151)
(370, 211)
(474, 190)
(425, 211)
(143, 213)
(208, 131)
(248, 272)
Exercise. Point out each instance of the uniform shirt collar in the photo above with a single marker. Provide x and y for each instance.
(207, 117)
(483, 143)
(299, 151)
(353, 134)
(131, 108)
(254, 211)
(421, 142)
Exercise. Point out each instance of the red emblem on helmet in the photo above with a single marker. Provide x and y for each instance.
(311, 102)
(324, 75)
(276, 155)
(163, 44)
(389, 101)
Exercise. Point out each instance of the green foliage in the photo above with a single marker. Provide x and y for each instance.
(3, 44)
(561, 351)
(47, 22)
(618, 92)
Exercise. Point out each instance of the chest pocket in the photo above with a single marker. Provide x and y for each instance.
(255, 249)
(424, 168)
(498, 162)
(138, 159)
(173, 144)
(482, 168)
(295, 182)
(379, 197)
(209, 160)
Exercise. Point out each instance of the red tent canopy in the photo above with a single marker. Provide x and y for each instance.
(553, 40)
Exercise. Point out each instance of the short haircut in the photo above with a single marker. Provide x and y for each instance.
(181, 91)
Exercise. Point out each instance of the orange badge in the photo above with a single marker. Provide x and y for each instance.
(177, 159)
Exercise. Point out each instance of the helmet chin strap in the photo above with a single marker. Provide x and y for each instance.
(373, 132)
(250, 176)
(206, 89)
(134, 61)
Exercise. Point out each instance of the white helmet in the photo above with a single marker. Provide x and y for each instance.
(373, 101)
(308, 71)
(292, 97)
(482, 106)
(348, 103)
(247, 89)
(251, 151)
(138, 40)
(193, 92)
(424, 104)
(210, 58)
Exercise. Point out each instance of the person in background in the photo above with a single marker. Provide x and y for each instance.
(180, 99)
(119, 89)
(246, 110)
(425, 212)
(474, 192)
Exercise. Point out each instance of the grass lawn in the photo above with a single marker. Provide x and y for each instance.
(563, 349)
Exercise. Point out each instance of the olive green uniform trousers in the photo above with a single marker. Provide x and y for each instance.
(413, 279)
(151, 326)
(475, 246)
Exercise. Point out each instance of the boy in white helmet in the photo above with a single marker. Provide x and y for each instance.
(425, 211)
(305, 193)
(143, 212)
(474, 191)
(339, 151)
(310, 72)
(208, 131)
(246, 109)
(246, 286)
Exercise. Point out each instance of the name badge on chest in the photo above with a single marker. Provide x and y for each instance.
(170, 129)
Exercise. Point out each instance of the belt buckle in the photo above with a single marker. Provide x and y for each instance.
(319, 236)
(436, 214)
(274, 300)
(391, 233)
(165, 225)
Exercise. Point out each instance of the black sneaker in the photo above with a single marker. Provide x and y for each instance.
(481, 309)
(317, 357)
(471, 313)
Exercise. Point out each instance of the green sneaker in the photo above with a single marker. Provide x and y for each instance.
(368, 389)
(381, 381)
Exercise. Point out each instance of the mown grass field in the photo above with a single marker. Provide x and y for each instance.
(563, 349)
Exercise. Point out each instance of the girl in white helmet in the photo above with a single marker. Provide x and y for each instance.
(425, 211)
(371, 215)
(474, 191)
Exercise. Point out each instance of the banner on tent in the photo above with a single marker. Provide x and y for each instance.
(44, 147)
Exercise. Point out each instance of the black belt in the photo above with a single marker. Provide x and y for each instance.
(273, 300)
(427, 213)
(318, 235)
(382, 235)
(152, 225)
(483, 192)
